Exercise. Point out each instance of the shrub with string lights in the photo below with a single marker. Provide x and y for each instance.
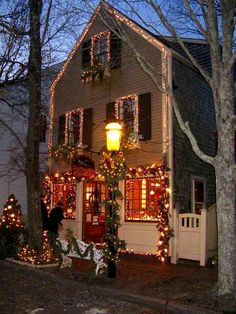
(11, 227)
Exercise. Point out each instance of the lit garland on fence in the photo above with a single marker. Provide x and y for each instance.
(113, 168)
(72, 246)
(166, 232)
(29, 255)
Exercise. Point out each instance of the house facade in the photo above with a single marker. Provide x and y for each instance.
(13, 130)
(102, 80)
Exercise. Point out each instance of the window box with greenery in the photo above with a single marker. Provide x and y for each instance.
(100, 54)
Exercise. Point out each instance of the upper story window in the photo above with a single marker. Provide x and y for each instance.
(135, 113)
(43, 128)
(100, 52)
(127, 112)
(198, 194)
(74, 127)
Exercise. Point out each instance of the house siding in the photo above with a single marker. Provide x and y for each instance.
(71, 93)
(196, 106)
(12, 178)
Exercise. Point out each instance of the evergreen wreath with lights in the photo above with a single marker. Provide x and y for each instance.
(113, 168)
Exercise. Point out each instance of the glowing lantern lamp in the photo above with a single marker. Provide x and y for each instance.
(113, 130)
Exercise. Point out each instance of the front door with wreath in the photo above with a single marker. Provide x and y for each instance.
(94, 226)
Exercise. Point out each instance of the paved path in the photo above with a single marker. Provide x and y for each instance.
(26, 290)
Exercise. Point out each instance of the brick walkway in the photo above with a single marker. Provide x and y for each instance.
(142, 281)
(186, 283)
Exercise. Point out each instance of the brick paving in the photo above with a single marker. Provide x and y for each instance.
(142, 285)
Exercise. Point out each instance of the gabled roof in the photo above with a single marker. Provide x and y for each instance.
(198, 48)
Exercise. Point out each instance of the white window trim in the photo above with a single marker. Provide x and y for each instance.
(68, 126)
(193, 179)
(97, 37)
(119, 110)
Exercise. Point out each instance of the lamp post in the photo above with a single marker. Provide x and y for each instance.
(113, 140)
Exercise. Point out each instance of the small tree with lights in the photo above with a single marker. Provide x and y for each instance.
(11, 227)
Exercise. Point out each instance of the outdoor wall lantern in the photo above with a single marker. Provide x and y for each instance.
(114, 131)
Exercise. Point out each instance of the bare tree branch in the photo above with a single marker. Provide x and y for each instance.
(172, 30)
(13, 133)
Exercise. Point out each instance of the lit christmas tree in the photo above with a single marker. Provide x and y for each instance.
(11, 228)
(12, 216)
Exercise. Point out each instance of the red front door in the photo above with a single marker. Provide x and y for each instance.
(94, 227)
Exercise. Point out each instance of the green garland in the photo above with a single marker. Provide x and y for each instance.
(72, 244)
(63, 152)
(113, 168)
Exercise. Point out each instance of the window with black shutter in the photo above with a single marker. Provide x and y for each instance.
(99, 54)
(61, 129)
(135, 113)
(115, 51)
(86, 53)
(87, 127)
(145, 123)
(110, 111)
(73, 134)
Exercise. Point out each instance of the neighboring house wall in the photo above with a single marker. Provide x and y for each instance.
(71, 93)
(12, 180)
(12, 159)
(196, 106)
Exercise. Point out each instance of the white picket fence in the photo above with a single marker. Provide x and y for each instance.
(195, 235)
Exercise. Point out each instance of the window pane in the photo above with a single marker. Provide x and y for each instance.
(100, 53)
(75, 128)
(65, 192)
(142, 197)
(199, 191)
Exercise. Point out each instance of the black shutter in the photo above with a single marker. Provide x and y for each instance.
(61, 129)
(86, 55)
(87, 127)
(110, 111)
(145, 122)
(115, 51)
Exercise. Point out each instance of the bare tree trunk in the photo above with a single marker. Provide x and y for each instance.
(33, 135)
(225, 186)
